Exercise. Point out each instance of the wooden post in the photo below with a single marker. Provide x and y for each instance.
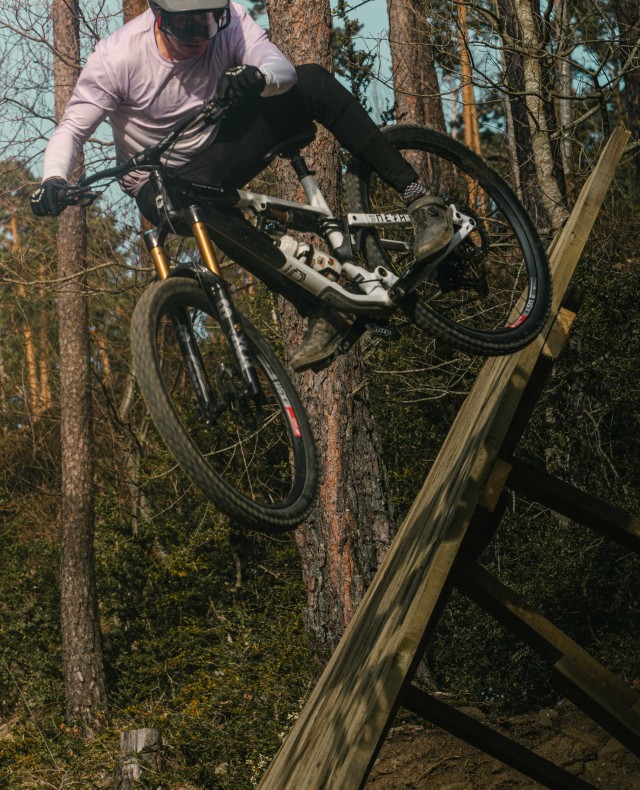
(341, 728)
(140, 752)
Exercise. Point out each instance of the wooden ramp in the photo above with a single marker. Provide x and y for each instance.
(336, 739)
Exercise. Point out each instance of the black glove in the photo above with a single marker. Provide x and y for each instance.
(240, 83)
(46, 200)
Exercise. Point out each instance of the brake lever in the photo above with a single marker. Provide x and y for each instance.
(79, 197)
(212, 110)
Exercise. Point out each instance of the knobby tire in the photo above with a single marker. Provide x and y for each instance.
(514, 272)
(257, 465)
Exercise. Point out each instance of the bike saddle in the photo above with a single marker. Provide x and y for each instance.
(292, 145)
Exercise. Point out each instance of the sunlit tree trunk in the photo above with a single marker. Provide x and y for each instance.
(415, 82)
(518, 129)
(81, 642)
(43, 342)
(3, 389)
(32, 395)
(343, 541)
(565, 91)
(132, 8)
(469, 109)
(532, 53)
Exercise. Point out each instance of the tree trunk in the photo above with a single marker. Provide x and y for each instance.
(469, 109)
(45, 368)
(627, 14)
(565, 91)
(518, 122)
(349, 530)
(416, 88)
(32, 394)
(133, 8)
(81, 643)
(532, 54)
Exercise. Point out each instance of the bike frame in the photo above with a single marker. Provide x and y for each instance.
(381, 289)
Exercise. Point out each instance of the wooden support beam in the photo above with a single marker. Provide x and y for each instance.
(490, 741)
(594, 696)
(569, 501)
(343, 724)
(601, 694)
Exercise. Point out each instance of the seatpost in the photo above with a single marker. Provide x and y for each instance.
(339, 241)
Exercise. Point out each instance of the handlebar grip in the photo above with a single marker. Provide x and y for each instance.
(75, 196)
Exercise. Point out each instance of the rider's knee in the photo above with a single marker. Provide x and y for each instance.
(312, 76)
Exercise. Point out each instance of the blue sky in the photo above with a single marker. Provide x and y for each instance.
(372, 14)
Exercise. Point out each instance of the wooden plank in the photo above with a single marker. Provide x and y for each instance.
(340, 729)
(579, 506)
(533, 628)
(495, 484)
(559, 332)
(596, 700)
(540, 374)
(490, 741)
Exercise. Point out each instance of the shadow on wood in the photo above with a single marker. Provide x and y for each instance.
(337, 736)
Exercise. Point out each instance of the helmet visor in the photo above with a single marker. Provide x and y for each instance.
(194, 26)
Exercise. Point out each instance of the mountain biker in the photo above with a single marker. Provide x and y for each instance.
(158, 69)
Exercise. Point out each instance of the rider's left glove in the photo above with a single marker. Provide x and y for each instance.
(240, 83)
(46, 200)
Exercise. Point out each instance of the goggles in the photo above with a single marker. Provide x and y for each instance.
(201, 25)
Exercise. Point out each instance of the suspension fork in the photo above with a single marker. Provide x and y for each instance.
(217, 292)
(219, 295)
(184, 334)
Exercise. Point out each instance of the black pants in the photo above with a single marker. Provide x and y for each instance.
(249, 130)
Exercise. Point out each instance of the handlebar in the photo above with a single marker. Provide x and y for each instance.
(148, 159)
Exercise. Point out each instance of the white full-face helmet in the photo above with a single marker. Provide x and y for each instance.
(189, 20)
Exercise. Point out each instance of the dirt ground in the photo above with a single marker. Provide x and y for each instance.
(416, 756)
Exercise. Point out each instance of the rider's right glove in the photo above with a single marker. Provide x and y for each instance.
(240, 83)
(45, 201)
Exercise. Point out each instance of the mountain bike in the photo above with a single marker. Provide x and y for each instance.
(220, 398)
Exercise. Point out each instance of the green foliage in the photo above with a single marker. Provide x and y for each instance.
(354, 64)
(188, 649)
(197, 658)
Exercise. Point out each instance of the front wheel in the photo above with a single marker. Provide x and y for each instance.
(489, 296)
(254, 457)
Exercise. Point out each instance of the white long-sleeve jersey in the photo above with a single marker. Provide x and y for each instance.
(144, 96)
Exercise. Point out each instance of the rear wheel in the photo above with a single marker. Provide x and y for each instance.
(254, 458)
(491, 295)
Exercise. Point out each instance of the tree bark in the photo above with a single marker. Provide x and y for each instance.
(349, 530)
(469, 109)
(518, 127)
(416, 87)
(81, 642)
(565, 91)
(32, 393)
(532, 53)
(627, 14)
(133, 8)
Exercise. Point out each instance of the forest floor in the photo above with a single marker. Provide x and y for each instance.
(420, 757)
